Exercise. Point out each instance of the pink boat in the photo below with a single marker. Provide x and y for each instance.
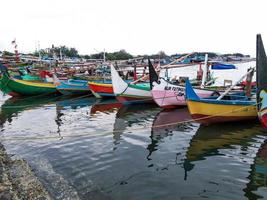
(167, 94)
(170, 95)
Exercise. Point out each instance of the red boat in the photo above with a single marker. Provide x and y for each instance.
(101, 88)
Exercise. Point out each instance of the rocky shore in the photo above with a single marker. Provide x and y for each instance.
(17, 180)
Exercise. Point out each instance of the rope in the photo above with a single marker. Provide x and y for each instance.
(119, 131)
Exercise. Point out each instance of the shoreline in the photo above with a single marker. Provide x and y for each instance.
(17, 180)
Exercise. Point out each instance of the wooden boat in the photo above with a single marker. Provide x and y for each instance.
(73, 87)
(130, 93)
(261, 64)
(233, 107)
(167, 94)
(101, 89)
(15, 87)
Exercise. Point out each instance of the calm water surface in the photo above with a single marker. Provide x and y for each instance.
(84, 148)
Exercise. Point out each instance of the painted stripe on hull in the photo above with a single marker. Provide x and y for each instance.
(104, 88)
(73, 92)
(224, 110)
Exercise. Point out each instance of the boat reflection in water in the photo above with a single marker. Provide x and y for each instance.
(13, 106)
(133, 118)
(256, 188)
(166, 122)
(228, 141)
(105, 105)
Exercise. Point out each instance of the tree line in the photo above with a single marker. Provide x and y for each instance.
(71, 52)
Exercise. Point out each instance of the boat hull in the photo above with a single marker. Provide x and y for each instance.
(16, 87)
(74, 87)
(129, 93)
(168, 95)
(102, 90)
(208, 113)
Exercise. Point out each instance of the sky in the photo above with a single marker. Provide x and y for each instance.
(138, 26)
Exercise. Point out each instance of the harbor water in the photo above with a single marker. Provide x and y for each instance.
(83, 148)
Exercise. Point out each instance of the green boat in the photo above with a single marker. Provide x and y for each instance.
(16, 87)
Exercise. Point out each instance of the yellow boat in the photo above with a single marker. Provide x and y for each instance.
(210, 110)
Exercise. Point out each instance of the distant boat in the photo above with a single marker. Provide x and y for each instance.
(261, 64)
(74, 87)
(15, 87)
(101, 89)
(130, 93)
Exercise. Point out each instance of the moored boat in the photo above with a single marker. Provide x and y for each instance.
(130, 93)
(261, 64)
(15, 87)
(171, 94)
(102, 89)
(233, 107)
(74, 87)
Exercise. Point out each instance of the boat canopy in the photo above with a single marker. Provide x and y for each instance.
(222, 66)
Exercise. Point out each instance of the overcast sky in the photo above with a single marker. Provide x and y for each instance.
(138, 26)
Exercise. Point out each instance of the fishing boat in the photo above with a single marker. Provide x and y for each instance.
(229, 106)
(261, 65)
(101, 89)
(74, 87)
(16, 87)
(130, 93)
(170, 94)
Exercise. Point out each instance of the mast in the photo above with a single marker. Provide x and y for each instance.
(205, 71)
(153, 76)
(261, 66)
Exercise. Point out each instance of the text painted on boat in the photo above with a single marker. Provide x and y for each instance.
(179, 90)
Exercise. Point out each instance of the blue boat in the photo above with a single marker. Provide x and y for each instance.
(74, 87)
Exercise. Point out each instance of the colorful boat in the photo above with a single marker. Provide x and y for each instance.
(101, 89)
(167, 94)
(15, 87)
(130, 93)
(232, 107)
(74, 87)
(261, 64)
